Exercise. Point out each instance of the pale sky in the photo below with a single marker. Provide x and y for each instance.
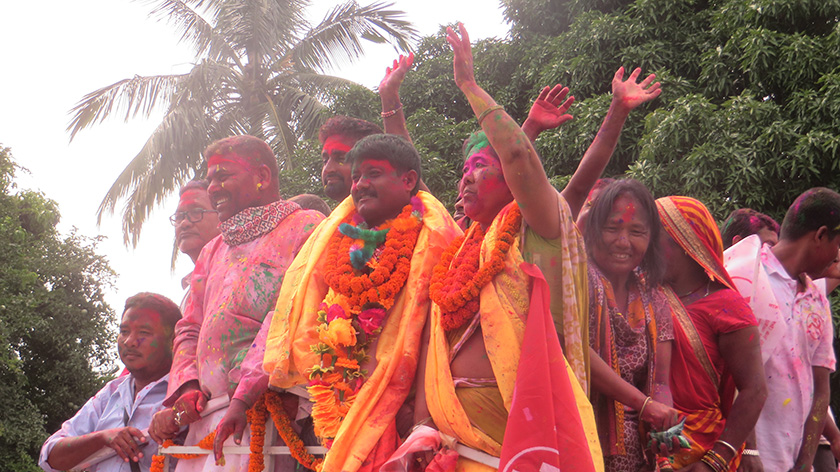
(55, 51)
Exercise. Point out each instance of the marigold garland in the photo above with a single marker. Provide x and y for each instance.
(158, 459)
(274, 403)
(269, 403)
(457, 279)
(353, 311)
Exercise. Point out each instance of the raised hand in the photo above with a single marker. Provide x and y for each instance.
(549, 109)
(629, 94)
(234, 422)
(395, 74)
(463, 62)
(125, 441)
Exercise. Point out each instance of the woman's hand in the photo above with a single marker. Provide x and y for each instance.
(629, 94)
(463, 62)
(659, 416)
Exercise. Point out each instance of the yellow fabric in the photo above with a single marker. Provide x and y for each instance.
(555, 260)
(504, 305)
(485, 408)
(288, 354)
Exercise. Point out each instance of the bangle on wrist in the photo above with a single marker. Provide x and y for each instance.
(487, 111)
(390, 113)
(750, 452)
(728, 446)
(644, 405)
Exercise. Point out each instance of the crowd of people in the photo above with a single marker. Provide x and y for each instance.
(593, 328)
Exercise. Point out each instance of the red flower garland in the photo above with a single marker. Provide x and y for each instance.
(457, 279)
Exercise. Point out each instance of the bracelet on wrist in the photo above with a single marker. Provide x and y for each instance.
(750, 452)
(486, 112)
(644, 405)
(728, 446)
(390, 113)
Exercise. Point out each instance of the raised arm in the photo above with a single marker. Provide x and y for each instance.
(523, 170)
(548, 111)
(393, 116)
(627, 95)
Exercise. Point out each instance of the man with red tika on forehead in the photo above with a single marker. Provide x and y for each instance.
(234, 284)
(351, 311)
(340, 133)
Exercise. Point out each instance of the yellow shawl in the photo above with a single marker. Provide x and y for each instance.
(292, 332)
(504, 305)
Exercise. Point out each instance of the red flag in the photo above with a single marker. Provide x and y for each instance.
(544, 431)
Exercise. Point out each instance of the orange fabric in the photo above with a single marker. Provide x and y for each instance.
(691, 225)
(365, 430)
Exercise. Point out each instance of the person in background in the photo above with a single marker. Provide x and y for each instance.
(746, 221)
(795, 327)
(195, 222)
(307, 201)
(115, 416)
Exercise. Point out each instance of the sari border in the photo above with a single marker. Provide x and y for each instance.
(681, 316)
(687, 238)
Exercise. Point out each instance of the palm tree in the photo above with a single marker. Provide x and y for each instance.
(259, 70)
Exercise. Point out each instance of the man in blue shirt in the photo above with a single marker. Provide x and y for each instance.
(115, 416)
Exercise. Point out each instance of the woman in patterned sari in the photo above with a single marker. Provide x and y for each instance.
(716, 341)
(630, 332)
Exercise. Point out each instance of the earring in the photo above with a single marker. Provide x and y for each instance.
(259, 185)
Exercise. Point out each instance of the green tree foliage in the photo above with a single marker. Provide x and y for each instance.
(258, 70)
(55, 327)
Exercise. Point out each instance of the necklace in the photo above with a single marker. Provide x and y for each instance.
(696, 290)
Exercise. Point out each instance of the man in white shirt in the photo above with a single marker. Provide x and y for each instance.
(115, 416)
(795, 327)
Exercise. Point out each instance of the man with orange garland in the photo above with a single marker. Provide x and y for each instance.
(486, 293)
(234, 284)
(353, 305)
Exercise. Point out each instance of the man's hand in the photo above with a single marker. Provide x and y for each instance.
(188, 407)
(628, 94)
(125, 441)
(462, 49)
(549, 109)
(163, 426)
(395, 74)
(234, 422)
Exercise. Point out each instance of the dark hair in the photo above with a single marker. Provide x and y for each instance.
(351, 127)
(197, 184)
(813, 209)
(246, 146)
(168, 310)
(387, 147)
(744, 222)
(311, 202)
(653, 263)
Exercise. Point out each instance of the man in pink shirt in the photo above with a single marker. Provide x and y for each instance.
(234, 284)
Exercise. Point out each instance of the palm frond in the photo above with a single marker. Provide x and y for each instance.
(164, 162)
(339, 35)
(137, 95)
(194, 29)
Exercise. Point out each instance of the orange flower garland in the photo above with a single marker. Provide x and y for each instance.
(270, 402)
(352, 314)
(457, 279)
(274, 403)
(158, 459)
(257, 418)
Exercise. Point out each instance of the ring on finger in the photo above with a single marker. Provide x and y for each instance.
(178, 415)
